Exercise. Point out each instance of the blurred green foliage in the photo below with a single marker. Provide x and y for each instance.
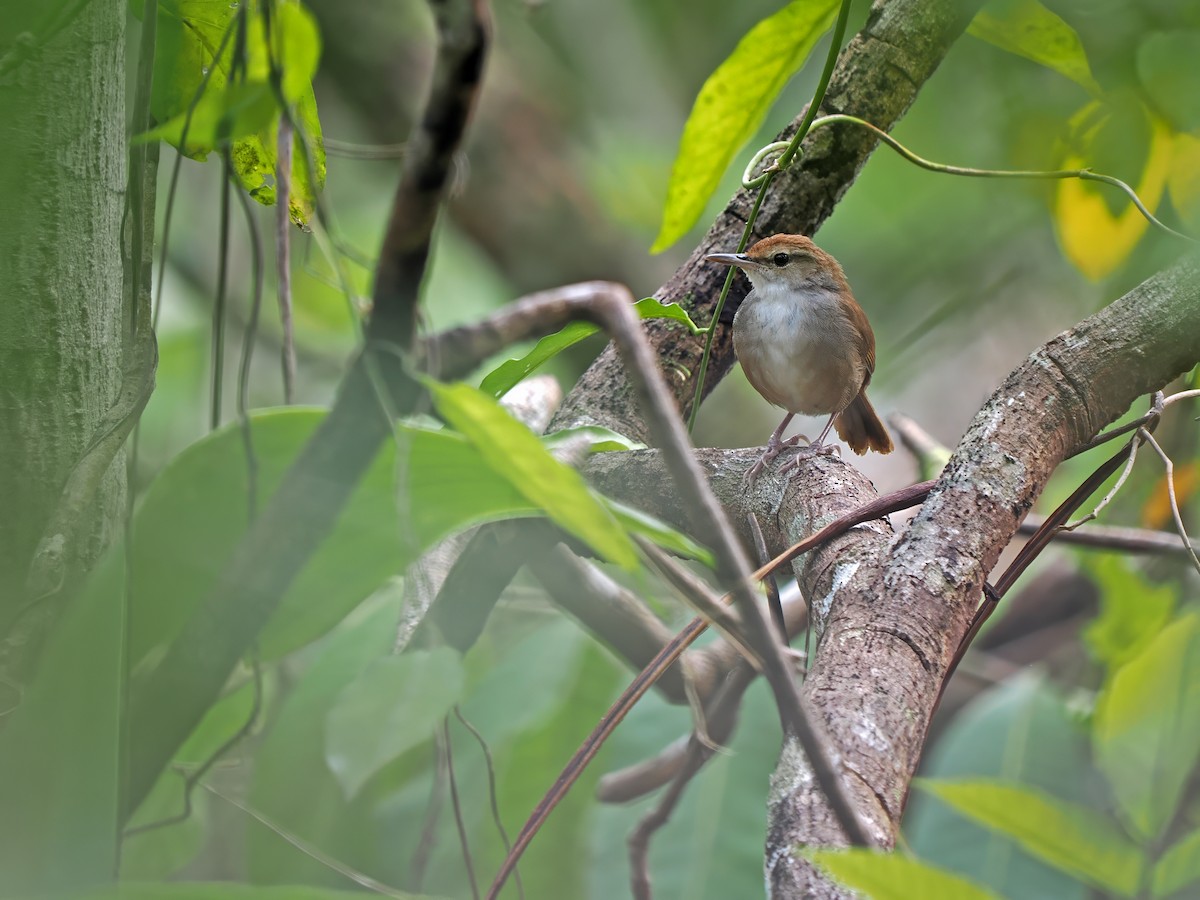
(565, 179)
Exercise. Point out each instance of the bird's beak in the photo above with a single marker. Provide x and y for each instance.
(741, 260)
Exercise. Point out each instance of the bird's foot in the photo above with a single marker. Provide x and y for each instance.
(793, 464)
(774, 447)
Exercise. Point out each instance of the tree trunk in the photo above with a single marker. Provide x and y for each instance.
(63, 315)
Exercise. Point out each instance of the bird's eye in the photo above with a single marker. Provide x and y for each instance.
(780, 259)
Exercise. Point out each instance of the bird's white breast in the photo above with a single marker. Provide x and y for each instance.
(796, 349)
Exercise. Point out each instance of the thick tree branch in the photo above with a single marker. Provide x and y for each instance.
(892, 627)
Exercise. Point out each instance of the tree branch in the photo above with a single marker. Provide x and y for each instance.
(892, 627)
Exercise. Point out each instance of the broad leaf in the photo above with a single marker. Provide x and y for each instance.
(890, 876)
(1018, 731)
(732, 105)
(1166, 66)
(1132, 611)
(190, 32)
(393, 706)
(443, 485)
(637, 522)
(197, 509)
(1092, 237)
(502, 379)
(1028, 29)
(1146, 730)
(557, 862)
(712, 849)
(291, 783)
(1068, 836)
(600, 439)
(160, 852)
(1179, 866)
(513, 452)
(446, 484)
(234, 112)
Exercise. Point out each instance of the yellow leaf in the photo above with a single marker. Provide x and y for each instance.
(1183, 180)
(1157, 511)
(1095, 240)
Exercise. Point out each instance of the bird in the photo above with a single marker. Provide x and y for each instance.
(805, 344)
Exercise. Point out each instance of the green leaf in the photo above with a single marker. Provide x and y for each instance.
(1069, 836)
(235, 112)
(637, 522)
(393, 706)
(308, 160)
(297, 49)
(196, 511)
(1179, 866)
(890, 876)
(502, 379)
(445, 485)
(1018, 731)
(420, 489)
(732, 104)
(515, 453)
(1132, 610)
(189, 35)
(653, 308)
(601, 439)
(59, 760)
(1146, 730)
(291, 783)
(163, 851)
(712, 849)
(1028, 29)
(1166, 65)
(556, 864)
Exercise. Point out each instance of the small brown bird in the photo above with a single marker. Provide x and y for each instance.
(805, 343)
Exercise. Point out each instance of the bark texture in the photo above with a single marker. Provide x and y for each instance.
(63, 318)
(891, 612)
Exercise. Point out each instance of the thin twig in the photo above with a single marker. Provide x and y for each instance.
(192, 778)
(218, 314)
(492, 799)
(283, 257)
(1068, 527)
(1169, 464)
(1053, 175)
(772, 586)
(249, 341)
(311, 850)
(1113, 537)
(433, 812)
(706, 603)
(456, 805)
(350, 150)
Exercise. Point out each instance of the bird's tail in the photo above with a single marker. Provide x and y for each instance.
(859, 426)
